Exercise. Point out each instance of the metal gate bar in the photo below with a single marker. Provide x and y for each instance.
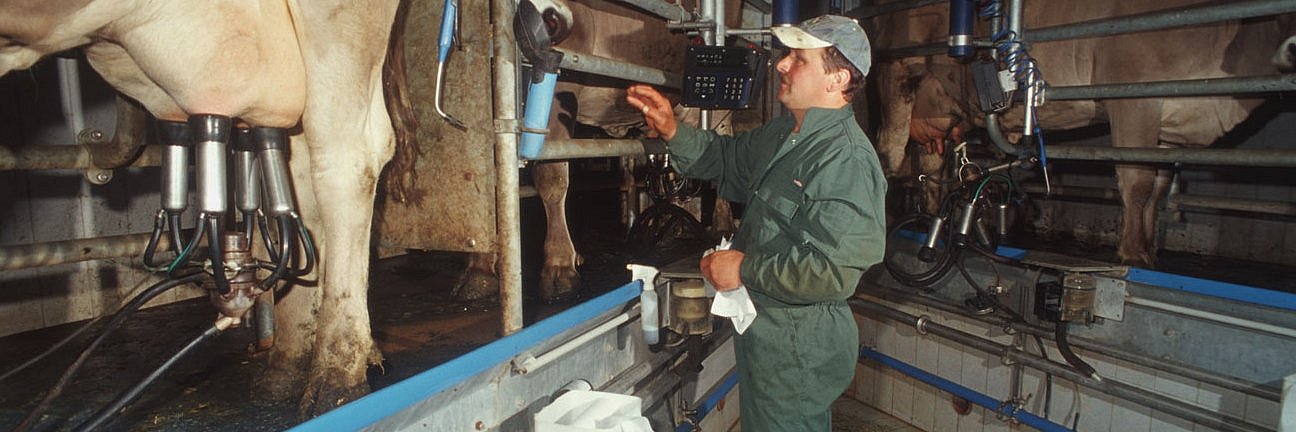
(1127, 24)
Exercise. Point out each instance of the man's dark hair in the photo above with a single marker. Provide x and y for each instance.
(833, 60)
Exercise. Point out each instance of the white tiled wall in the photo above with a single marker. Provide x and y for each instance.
(930, 409)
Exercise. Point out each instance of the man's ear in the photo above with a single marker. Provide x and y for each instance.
(840, 79)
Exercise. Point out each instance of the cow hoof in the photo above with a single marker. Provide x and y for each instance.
(558, 284)
(475, 285)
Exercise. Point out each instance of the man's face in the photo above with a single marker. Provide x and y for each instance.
(802, 80)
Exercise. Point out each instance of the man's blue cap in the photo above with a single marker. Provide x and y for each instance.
(829, 30)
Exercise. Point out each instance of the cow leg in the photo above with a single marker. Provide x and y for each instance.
(1136, 123)
(558, 276)
(895, 87)
(350, 138)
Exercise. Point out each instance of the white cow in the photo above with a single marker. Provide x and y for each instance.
(269, 63)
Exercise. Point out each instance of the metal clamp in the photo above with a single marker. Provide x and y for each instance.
(921, 324)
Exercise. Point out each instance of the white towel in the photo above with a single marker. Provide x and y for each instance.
(734, 304)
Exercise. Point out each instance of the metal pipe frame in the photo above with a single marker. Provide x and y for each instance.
(1175, 199)
(507, 205)
(1178, 88)
(1218, 380)
(1107, 386)
(870, 11)
(1232, 157)
(1163, 20)
(660, 8)
(1128, 24)
(1235, 204)
(70, 251)
(42, 157)
(604, 66)
(592, 148)
(1005, 408)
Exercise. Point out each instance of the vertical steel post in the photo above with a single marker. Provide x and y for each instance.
(507, 202)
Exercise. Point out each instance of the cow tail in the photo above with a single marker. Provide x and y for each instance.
(400, 174)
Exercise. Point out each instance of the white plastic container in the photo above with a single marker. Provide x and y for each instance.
(592, 411)
(649, 316)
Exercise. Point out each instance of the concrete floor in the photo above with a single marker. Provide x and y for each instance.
(850, 415)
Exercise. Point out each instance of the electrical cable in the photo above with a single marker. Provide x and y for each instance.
(125, 398)
(121, 315)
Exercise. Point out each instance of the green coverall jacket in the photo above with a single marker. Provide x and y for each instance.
(813, 223)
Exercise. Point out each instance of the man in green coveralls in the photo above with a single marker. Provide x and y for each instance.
(814, 223)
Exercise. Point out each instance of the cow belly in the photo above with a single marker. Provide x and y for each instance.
(1200, 121)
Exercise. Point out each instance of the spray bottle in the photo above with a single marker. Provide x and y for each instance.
(647, 301)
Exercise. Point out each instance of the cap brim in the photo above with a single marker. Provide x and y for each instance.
(794, 37)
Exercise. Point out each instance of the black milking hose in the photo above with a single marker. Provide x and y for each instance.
(129, 395)
(1060, 337)
(121, 315)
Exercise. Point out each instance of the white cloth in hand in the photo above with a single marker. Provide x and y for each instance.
(734, 304)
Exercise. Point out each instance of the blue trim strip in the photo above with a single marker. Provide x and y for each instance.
(970, 395)
(1243, 293)
(383, 403)
(710, 403)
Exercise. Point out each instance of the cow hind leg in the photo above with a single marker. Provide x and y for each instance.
(1136, 123)
(558, 276)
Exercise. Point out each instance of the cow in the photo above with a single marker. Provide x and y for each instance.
(929, 99)
(604, 29)
(316, 64)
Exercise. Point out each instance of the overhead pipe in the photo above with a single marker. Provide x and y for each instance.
(1163, 20)
(1128, 24)
(1108, 385)
(604, 66)
(870, 11)
(665, 10)
(593, 148)
(507, 213)
(1215, 379)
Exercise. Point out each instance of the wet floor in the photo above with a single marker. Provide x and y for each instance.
(416, 323)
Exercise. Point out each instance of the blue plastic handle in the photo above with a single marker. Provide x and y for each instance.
(447, 29)
(539, 102)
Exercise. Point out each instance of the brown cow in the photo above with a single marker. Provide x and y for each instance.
(924, 97)
(268, 63)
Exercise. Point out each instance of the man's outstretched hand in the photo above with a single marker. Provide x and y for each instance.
(657, 110)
